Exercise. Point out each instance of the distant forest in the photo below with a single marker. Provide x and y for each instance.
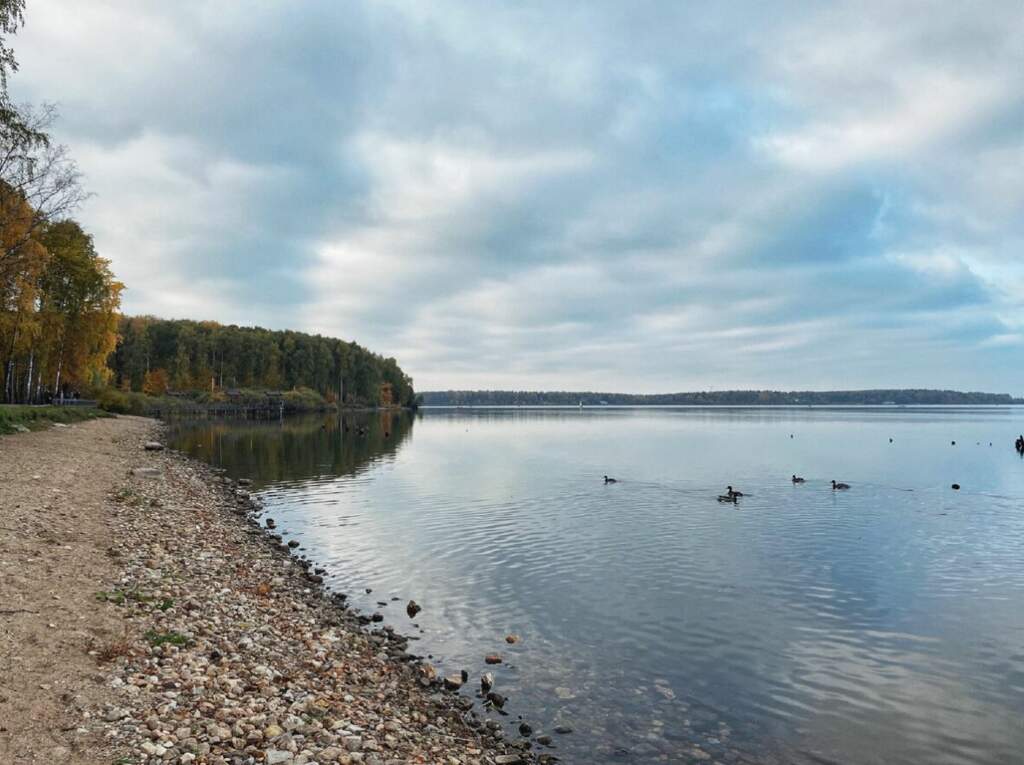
(157, 356)
(721, 398)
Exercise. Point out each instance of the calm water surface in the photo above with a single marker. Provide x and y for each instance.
(882, 624)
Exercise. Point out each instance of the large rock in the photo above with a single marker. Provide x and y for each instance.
(154, 446)
(453, 682)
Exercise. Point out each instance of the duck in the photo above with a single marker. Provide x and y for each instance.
(839, 486)
(610, 480)
(798, 479)
(728, 498)
(732, 492)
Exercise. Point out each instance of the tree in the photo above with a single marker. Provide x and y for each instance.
(39, 183)
(78, 302)
(155, 383)
(12, 17)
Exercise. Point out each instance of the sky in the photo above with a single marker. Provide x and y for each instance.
(635, 197)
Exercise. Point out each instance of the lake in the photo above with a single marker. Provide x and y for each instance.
(880, 624)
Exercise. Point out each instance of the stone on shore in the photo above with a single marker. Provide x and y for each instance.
(453, 682)
(154, 446)
(233, 656)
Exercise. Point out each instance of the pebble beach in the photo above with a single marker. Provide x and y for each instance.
(150, 617)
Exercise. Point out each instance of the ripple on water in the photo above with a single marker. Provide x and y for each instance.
(798, 625)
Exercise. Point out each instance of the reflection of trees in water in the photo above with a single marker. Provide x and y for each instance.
(296, 447)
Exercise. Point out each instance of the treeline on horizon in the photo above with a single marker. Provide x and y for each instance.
(919, 396)
(157, 356)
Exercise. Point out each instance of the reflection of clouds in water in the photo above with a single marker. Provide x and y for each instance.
(654, 619)
(893, 702)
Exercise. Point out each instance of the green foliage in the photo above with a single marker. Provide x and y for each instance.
(11, 18)
(120, 597)
(129, 402)
(155, 638)
(14, 417)
(211, 362)
(119, 402)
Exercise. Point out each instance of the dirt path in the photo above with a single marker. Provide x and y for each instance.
(54, 535)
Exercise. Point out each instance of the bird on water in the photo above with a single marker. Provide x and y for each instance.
(798, 479)
(610, 480)
(839, 486)
(731, 492)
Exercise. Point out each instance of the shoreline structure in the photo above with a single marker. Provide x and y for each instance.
(146, 617)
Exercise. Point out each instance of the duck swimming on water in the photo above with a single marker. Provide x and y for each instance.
(728, 498)
(839, 486)
(610, 480)
(731, 492)
(798, 479)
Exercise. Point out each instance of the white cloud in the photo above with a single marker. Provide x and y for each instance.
(568, 195)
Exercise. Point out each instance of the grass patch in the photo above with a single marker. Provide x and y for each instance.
(15, 417)
(120, 597)
(162, 638)
(195, 403)
(115, 597)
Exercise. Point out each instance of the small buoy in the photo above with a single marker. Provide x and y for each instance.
(956, 487)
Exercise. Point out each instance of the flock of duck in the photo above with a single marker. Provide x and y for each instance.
(731, 495)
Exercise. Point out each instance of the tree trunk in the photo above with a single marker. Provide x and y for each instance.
(60, 365)
(28, 381)
(9, 380)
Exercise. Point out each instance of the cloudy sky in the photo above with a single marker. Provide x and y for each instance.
(617, 196)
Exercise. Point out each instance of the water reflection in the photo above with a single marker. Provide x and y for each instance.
(881, 624)
(295, 448)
